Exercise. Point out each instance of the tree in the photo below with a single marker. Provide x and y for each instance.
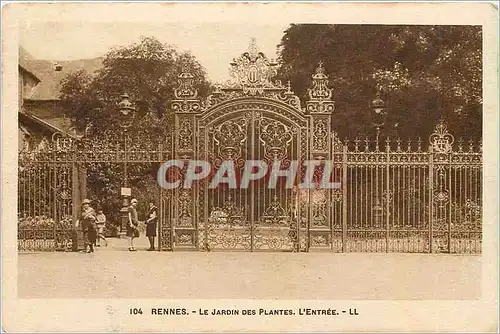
(148, 72)
(77, 99)
(424, 73)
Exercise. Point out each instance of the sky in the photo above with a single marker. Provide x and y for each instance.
(213, 44)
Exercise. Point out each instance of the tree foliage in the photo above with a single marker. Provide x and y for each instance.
(424, 73)
(148, 72)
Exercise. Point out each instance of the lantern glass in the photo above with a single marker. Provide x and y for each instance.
(126, 111)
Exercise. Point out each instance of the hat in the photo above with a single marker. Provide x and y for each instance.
(133, 201)
(86, 201)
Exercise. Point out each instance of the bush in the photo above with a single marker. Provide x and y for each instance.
(44, 222)
(110, 230)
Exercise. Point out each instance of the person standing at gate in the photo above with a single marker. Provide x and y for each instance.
(88, 220)
(151, 224)
(132, 226)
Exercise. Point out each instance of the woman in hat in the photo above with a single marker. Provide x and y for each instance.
(133, 222)
(151, 223)
(88, 219)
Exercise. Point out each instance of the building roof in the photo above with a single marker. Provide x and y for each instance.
(49, 87)
(52, 126)
(24, 57)
(28, 72)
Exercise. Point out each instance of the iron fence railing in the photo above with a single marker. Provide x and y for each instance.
(393, 198)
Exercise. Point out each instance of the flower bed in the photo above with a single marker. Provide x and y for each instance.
(41, 233)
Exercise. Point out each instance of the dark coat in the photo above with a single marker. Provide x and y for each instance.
(88, 221)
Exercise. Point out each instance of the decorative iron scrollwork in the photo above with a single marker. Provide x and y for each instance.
(186, 95)
(320, 90)
(186, 89)
(319, 203)
(441, 195)
(441, 140)
(63, 193)
(320, 94)
(230, 137)
(186, 133)
(337, 195)
(253, 71)
(275, 214)
(320, 133)
(276, 138)
(185, 208)
(288, 97)
(228, 215)
(62, 142)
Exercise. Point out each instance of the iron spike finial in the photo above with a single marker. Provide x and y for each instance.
(253, 50)
(460, 144)
(387, 142)
(398, 142)
(356, 144)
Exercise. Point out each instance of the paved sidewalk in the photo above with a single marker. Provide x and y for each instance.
(114, 272)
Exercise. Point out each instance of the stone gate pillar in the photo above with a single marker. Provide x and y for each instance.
(320, 108)
(185, 106)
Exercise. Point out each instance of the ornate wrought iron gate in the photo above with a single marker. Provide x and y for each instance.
(256, 218)
(49, 185)
(394, 196)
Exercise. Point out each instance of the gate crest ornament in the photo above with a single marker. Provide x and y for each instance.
(252, 71)
(441, 140)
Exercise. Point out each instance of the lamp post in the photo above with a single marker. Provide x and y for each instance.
(126, 117)
(379, 114)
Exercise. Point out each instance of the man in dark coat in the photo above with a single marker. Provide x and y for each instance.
(88, 221)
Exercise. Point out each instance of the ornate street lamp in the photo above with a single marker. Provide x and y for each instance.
(126, 117)
(379, 114)
(127, 112)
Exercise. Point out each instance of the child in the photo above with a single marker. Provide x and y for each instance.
(101, 223)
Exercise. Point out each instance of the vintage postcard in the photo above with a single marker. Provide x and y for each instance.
(249, 167)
